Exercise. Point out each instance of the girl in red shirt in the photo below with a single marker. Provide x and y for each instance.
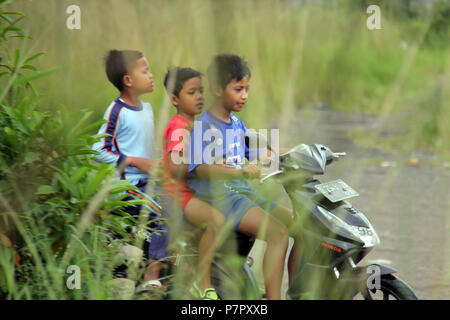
(184, 85)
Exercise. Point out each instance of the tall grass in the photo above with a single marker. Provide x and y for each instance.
(53, 200)
(299, 54)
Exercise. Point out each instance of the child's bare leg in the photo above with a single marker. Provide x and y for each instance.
(153, 269)
(202, 215)
(258, 223)
(284, 215)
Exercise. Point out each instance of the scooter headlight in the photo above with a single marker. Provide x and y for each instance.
(337, 225)
(367, 235)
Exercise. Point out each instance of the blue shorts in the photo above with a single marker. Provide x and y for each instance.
(235, 205)
(157, 248)
(157, 245)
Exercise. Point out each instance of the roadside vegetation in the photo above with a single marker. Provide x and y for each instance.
(54, 201)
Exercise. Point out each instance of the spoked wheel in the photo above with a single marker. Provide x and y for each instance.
(391, 288)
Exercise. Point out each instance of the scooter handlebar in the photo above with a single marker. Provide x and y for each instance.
(332, 156)
(339, 154)
(270, 175)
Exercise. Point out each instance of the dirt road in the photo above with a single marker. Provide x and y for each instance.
(409, 205)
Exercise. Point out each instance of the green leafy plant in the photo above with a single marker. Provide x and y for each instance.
(54, 200)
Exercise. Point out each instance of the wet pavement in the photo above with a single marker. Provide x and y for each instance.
(407, 203)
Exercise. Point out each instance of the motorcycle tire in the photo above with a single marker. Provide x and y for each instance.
(391, 288)
(236, 283)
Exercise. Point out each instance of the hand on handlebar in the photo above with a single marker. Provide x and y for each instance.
(251, 171)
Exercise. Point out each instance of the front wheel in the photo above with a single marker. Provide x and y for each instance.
(391, 288)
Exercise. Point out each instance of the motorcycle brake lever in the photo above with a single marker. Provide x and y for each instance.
(270, 175)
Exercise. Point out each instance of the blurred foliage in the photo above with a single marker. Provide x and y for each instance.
(439, 33)
(48, 185)
(301, 53)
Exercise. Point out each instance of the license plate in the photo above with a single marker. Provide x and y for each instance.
(336, 190)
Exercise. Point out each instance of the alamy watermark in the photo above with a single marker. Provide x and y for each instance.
(374, 20)
(73, 22)
(208, 146)
(374, 279)
(74, 280)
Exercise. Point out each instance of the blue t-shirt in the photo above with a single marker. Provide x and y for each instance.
(217, 141)
(132, 134)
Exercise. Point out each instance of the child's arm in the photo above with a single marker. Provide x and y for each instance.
(105, 151)
(145, 164)
(223, 171)
(280, 151)
(179, 171)
(218, 171)
(267, 157)
(284, 150)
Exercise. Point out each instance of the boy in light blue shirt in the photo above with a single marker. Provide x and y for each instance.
(131, 140)
(132, 136)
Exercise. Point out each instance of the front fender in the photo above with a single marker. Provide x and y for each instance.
(364, 272)
(355, 280)
(383, 270)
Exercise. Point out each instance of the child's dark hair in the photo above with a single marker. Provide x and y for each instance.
(119, 63)
(226, 67)
(176, 77)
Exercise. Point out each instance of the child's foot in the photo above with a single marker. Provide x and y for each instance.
(152, 289)
(207, 294)
(149, 285)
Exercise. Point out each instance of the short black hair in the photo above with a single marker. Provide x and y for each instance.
(226, 67)
(177, 76)
(119, 63)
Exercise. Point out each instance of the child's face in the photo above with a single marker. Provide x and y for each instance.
(141, 78)
(190, 99)
(235, 94)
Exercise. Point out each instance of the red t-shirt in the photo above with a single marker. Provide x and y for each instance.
(176, 138)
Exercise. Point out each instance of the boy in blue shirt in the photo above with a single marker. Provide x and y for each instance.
(131, 141)
(220, 135)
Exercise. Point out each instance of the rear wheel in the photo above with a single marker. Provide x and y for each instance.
(234, 281)
(230, 276)
(391, 288)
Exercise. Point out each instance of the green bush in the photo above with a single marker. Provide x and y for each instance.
(54, 200)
